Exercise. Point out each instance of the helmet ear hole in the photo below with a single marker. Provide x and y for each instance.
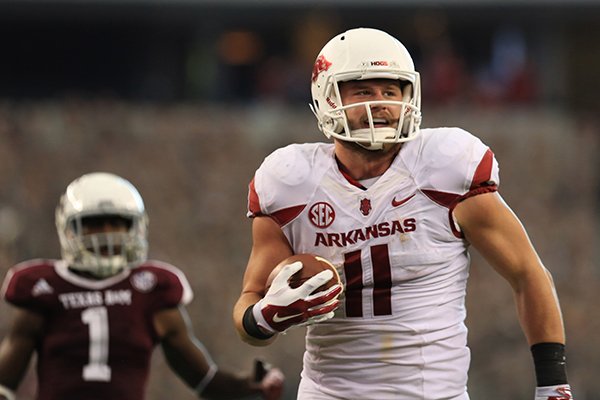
(333, 125)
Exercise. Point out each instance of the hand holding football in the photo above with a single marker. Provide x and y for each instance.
(311, 265)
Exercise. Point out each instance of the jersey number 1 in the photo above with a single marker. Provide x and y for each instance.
(382, 281)
(97, 369)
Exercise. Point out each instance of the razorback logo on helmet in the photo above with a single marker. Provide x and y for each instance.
(320, 65)
(321, 214)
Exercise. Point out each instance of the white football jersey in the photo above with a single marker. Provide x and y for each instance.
(399, 332)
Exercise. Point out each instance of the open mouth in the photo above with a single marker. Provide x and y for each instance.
(377, 123)
(380, 122)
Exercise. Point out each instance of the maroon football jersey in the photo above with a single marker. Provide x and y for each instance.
(99, 334)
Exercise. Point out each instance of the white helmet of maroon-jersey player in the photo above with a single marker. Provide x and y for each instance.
(360, 54)
(102, 195)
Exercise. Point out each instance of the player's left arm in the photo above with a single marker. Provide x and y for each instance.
(190, 360)
(495, 231)
(17, 348)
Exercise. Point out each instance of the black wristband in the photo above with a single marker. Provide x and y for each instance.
(550, 363)
(251, 327)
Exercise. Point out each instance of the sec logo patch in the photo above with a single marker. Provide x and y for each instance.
(321, 214)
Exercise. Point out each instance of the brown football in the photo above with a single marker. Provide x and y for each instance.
(311, 265)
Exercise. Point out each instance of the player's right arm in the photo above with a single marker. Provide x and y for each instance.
(269, 247)
(259, 316)
(281, 187)
(18, 346)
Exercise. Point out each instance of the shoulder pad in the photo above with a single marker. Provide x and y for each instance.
(452, 160)
(288, 177)
(27, 281)
(166, 279)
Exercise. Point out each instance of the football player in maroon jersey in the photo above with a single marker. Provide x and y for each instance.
(94, 317)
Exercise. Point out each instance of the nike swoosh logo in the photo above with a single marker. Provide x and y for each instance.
(277, 319)
(399, 203)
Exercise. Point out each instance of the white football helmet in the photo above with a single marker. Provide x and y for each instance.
(100, 195)
(360, 54)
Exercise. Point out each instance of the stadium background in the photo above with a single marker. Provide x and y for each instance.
(185, 98)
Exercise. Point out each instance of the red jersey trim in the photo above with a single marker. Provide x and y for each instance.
(483, 173)
(444, 199)
(479, 190)
(450, 200)
(349, 178)
(253, 200)
(283, 217)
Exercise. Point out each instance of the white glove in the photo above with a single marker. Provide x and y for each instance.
(556, 392)
(284, 306)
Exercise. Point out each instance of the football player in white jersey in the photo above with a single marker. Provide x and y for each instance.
(395, 209)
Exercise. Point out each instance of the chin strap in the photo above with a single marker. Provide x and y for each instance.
(369, 135)
(371, 146)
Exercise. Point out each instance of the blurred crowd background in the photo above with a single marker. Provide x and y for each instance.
(186, 97)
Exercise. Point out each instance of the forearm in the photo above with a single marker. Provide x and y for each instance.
(14, 360)
(15, 353)
(540, 316)
(539, 310)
